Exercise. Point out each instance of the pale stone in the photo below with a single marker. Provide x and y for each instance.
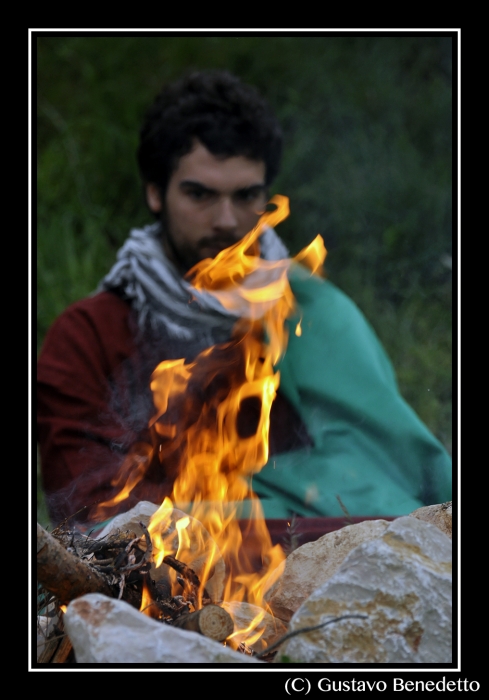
(197, 550)
(402, 583)
(312, 564)
(104, 630)
(439, 515)
(130, 520)
(269, 628)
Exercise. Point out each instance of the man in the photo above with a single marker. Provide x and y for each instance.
(340, 435)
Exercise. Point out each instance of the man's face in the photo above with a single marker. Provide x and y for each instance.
(210, 204)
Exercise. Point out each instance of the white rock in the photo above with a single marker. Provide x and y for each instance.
(108, 631)
(402, 583)
(130, 520)
(439, 515)
(312, 564)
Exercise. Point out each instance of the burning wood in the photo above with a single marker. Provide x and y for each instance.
(189, 581)
(71, 565)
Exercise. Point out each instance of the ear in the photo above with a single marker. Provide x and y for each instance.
(153, 197)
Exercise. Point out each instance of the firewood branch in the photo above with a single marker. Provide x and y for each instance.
(64, 575)
(67, 577)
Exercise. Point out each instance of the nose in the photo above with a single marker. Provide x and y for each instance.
(225, 217)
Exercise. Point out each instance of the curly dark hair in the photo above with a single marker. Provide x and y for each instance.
(226, 115)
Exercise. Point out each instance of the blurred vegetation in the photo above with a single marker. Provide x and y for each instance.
(368, 165)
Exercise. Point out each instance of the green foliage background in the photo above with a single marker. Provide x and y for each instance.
(368, 165)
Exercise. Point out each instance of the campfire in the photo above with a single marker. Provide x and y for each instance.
(188, 566)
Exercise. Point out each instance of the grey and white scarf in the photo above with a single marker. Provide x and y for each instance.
(163, 298)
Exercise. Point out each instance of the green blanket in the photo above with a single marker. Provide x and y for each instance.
(371, 451)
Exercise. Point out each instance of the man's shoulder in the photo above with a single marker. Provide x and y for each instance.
(98, 303)
(96, 326)
(103, 309)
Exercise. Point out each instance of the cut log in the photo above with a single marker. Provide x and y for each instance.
(211, 621)
(64, 575)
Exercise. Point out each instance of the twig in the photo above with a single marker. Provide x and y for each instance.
(302, 630)
(188, 579)
(102, 562)
(348, 517)
(183, 569)
(122, 584)
(149, 544)
(145, 559)
(61, 525)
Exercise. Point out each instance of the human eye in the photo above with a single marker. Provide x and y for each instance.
(249, 195)
(197, 193)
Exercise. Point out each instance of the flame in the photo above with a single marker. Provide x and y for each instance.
(148, 606)
(198, 410)
(313, 256)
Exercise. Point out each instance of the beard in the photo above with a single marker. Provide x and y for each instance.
(185, 255)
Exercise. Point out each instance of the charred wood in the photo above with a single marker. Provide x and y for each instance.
(189, 581)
